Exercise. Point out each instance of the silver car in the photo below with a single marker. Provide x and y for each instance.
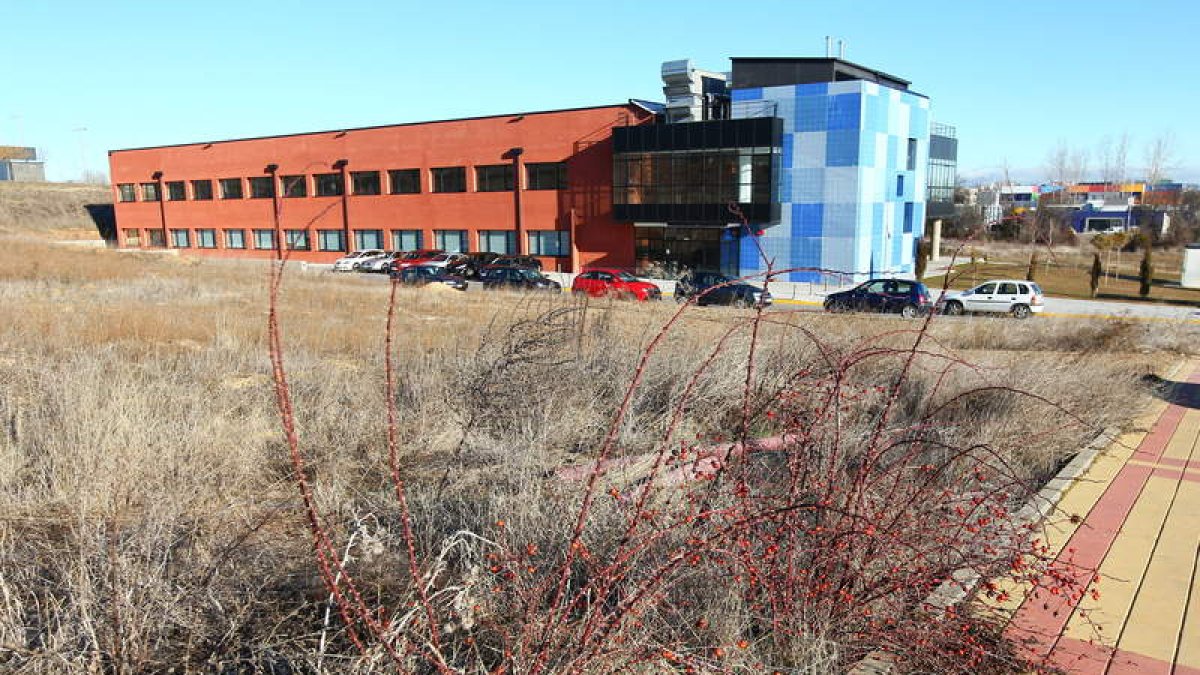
(1019, 298)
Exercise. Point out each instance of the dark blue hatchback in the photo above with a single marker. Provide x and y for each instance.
(899, 296)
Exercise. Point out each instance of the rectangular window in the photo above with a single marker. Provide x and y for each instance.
(175, 191)
(900, 185)
(295, 186)
(908, 217)
(127, 192)
(235, 239)
(364, 239)
(264, 239)
(231, 188)
(206, 238)
(449, 179)
(202, 190)
(454, 241)
(261, 187)
(546, 176)
(180, 239)
(329, 184)
(405, 181)
(297, 240)
(365, 182)
(406, 240)
(149, 192)
(331, 240)
(503, 242)
(912, 154)
(156, 238)
(553, 242)
(133, 237)
(494, 178)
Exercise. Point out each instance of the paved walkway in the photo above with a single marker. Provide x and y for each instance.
(1138, 528)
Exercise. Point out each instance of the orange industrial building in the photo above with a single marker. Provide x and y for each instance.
(535, 183)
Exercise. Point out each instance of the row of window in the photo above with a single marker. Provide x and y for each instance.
(490, 178)
(504, 242)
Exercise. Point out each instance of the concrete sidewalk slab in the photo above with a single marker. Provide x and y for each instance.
(1140, 533)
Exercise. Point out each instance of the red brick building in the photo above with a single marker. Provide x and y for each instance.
(536, 183)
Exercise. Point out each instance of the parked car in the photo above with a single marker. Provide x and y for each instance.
(517, 278)
(470, 264)
(599, 283)
(710, 288)
(354, 259)
(420, 275)
(416, 258)
(380, 264)
(443, 260)
(1003, 296)
(518, 261)
(902, 296)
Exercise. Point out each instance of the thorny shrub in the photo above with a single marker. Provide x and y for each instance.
(808, 530)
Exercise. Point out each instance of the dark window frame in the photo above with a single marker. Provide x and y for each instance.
(494, 178)
(229, 244)
(322, 238)
(546, 176)
(561, 239)
(259, 231)
(200, 237)
(404, 181)
(365, 183)
(150, 192)
(294, 186)
(127, 192)
(328, 185)
(202, 190)
(176, 191)
(187, 238)
(291, 236)
(261, 187)
(227, 183)
(448, 179)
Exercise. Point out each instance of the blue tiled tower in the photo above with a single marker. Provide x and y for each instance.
(850, 179)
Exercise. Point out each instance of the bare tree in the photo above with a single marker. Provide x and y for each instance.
(1113, 157)
(1078, 165)
(1159, 157)
(1058, 162)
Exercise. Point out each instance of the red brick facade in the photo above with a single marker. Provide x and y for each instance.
(581, 139)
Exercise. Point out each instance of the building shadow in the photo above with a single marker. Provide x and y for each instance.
(104, 217)
(1184, 394)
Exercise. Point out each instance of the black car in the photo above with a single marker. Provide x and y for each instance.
(519, 278)
(471, 264)
(420, 275)
(518, 261)
(710, 288)
(901, 296)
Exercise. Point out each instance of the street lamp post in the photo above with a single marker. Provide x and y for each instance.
(157, 176)
(272, 170)
(341, 166)
(515, 155)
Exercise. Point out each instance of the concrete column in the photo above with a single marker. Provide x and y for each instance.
(935, 248)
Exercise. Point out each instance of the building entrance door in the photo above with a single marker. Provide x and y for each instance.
(678, 248)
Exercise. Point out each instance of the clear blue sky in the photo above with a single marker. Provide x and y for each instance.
(82, 77)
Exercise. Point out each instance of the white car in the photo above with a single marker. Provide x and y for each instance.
(380, 264)
(1017, 297)
(352, 261)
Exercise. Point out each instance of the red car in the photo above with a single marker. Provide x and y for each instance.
(603, 282)
(415, 258)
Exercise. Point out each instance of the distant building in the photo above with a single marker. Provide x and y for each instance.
(21, 165)
(943, 170)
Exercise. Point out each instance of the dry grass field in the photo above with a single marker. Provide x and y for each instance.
(53, 210)
(149, 518)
